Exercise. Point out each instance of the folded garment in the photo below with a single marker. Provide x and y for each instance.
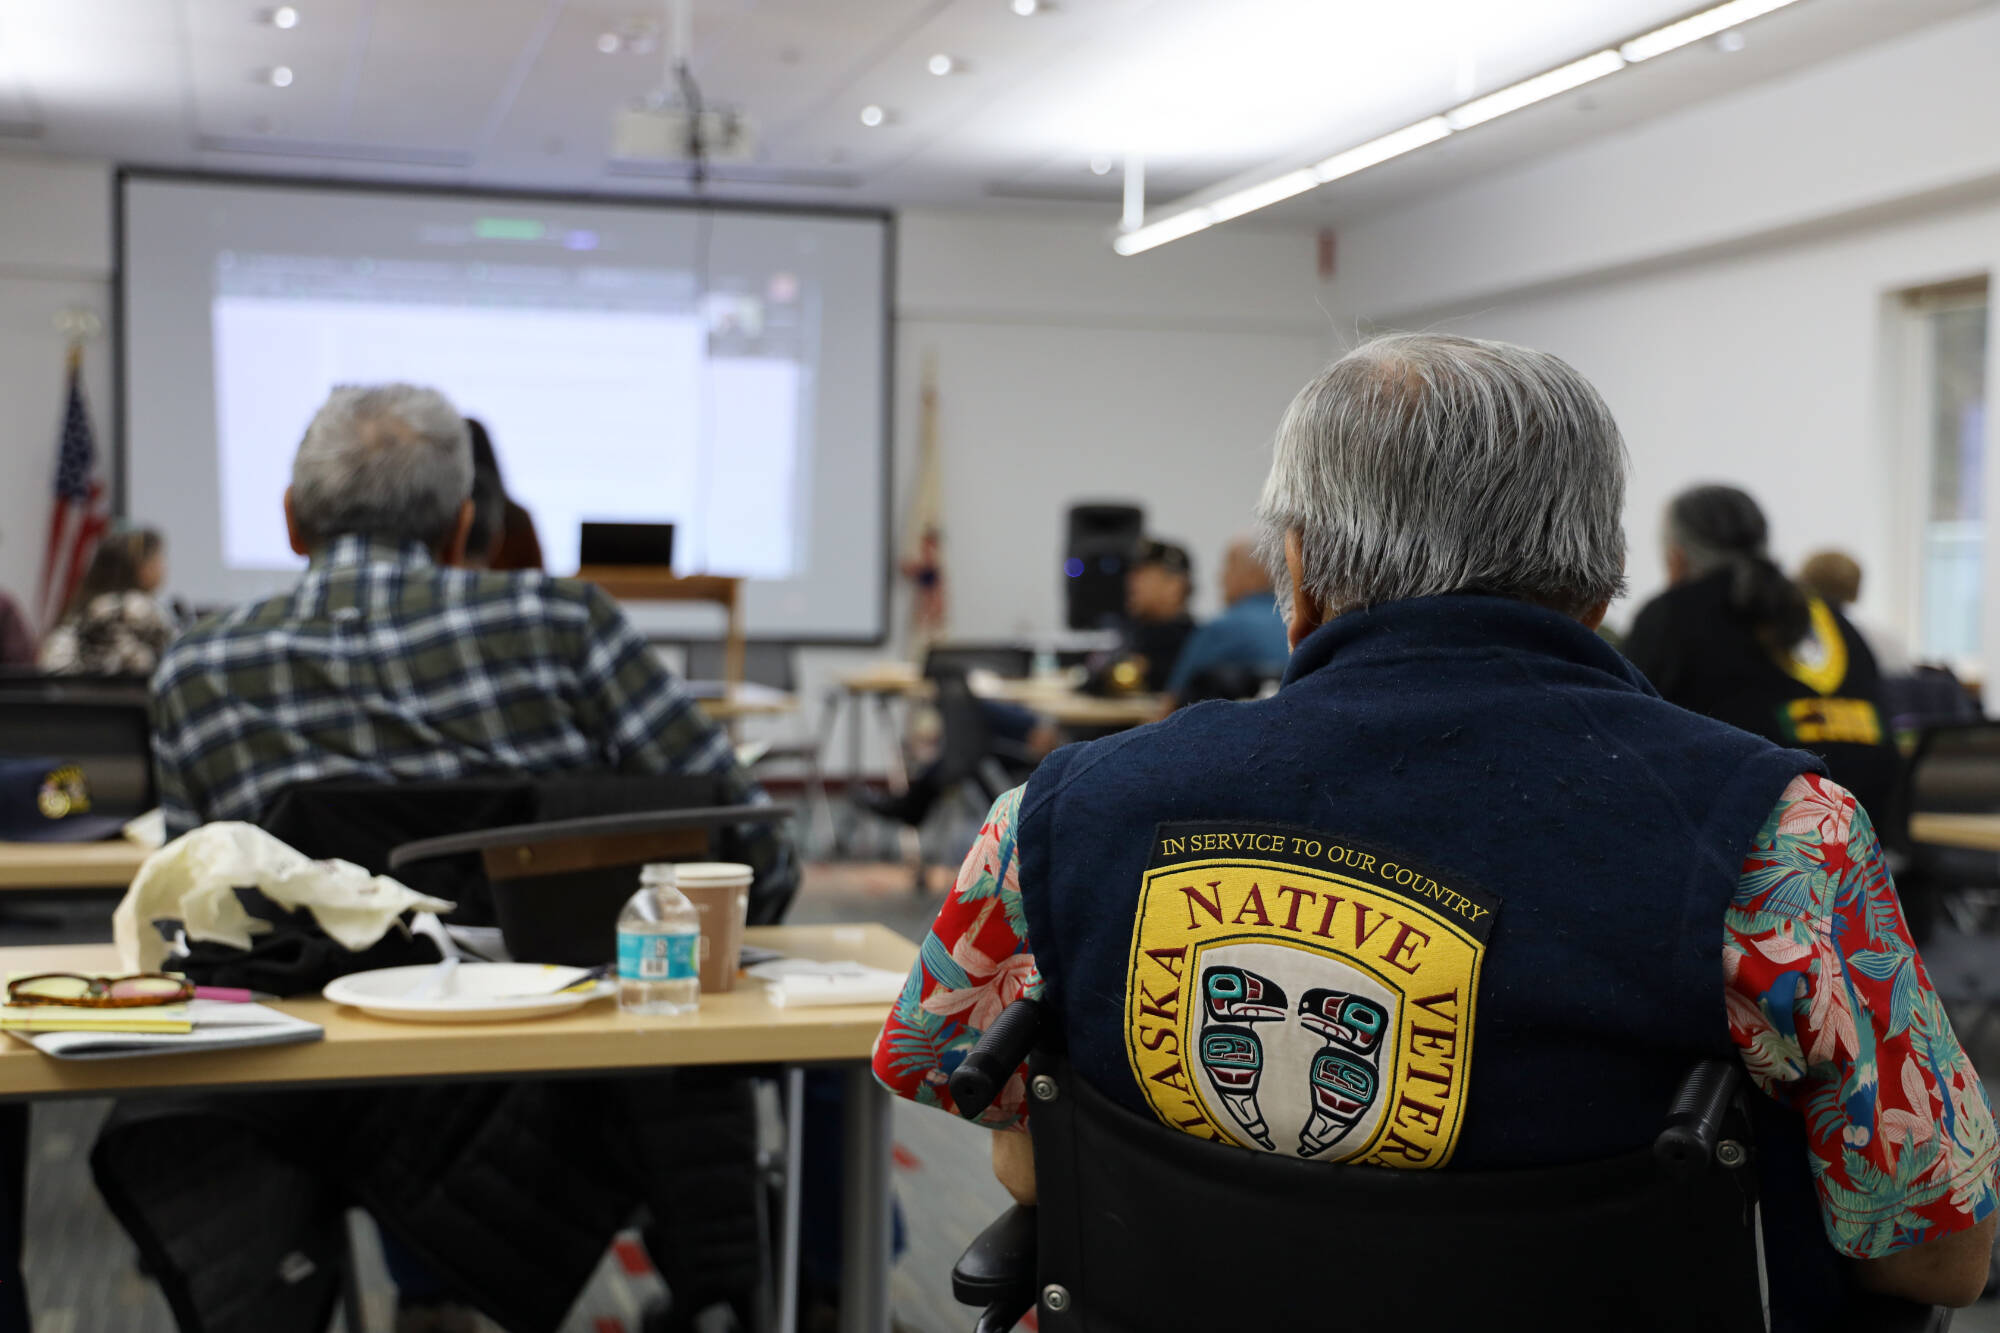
(194, 878)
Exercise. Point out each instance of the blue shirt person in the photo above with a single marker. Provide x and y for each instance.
(1248, 637)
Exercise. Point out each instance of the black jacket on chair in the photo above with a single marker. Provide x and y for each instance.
(510, 1191)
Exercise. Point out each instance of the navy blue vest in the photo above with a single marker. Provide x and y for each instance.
(1453, 895)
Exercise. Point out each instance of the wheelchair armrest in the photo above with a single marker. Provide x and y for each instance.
(994, 1057)
(1694, 1118)
(997, 1270)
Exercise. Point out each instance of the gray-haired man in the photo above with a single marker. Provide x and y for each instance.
(1465, 892)
(389, 662)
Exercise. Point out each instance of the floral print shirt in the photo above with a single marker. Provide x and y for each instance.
(1825, 994)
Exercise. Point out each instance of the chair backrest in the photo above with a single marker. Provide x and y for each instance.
(1009, 660)
(102, 727)
(365, 822)
(1956, 769)
(965, 737)
(772, 664)
(1143, 1228)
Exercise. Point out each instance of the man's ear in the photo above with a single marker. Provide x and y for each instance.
(1307, 614)
(453, 550)
(293, 531)
(1594, 617)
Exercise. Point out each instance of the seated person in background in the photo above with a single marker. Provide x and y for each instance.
(1157, 624)
(17, 642)
(1247, 641)
(1734, 639)
(489, 517)
(1835, 578)
(387, 662)
(517, 546)
(114, 625)
(1467, 856)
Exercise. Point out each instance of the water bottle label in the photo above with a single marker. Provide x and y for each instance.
(656, 957)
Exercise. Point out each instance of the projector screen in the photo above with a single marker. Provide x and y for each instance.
(722, 370)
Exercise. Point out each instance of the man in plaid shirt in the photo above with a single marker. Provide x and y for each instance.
(389, 662)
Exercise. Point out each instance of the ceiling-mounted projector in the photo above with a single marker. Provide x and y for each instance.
(671, 134)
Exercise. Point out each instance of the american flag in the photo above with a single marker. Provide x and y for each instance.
(81, 509)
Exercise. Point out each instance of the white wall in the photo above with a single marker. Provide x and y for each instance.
(1723, 275)
(55, 255)
(1064, 373)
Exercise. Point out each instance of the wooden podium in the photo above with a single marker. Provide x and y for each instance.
(639, 583)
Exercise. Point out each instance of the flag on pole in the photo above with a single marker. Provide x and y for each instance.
(81, 508)
(923, 538)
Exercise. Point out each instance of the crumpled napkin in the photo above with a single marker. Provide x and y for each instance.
(193, 880)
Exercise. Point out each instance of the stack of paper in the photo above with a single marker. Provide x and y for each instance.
(201, 1025)
(794, 982)
(78, 1018)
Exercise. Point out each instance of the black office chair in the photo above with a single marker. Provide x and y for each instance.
(101, 726)
(1925, 697)
(1009, 660)
(774, 665)
(1955, 769)
(1140, 1227)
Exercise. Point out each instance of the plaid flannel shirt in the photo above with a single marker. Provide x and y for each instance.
(381, 664)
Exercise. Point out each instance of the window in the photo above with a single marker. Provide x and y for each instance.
(1949, 334)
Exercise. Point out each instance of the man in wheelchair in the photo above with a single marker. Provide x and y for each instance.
(1518, 895)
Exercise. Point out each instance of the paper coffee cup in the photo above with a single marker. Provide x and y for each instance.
(720, 891)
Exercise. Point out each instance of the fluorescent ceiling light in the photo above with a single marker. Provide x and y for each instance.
(1251, 198)
(1170, 228)
(1382, 149)
(1191, 217)
(1695, 27)
(1538, 89)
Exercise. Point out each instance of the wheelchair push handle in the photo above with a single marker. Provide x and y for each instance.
(1000, 1051)
(1695, 1117)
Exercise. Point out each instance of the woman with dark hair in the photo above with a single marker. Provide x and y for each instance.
(113, 626)
(517, 546)
(1734, 638)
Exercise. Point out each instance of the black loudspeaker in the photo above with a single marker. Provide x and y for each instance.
(1102, 538)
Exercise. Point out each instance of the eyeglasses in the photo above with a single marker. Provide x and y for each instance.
(84, 992)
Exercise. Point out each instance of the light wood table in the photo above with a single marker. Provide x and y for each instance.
(1975, 833)
(736, 702)
(740, 1027)
(69, 865)
(1072, 707)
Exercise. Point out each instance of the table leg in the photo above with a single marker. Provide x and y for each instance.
(13, 1215)
(857, 708)
(788, 1226)
(899, 773)
(864, 1230)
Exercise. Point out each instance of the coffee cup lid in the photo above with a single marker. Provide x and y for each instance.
(711, 873)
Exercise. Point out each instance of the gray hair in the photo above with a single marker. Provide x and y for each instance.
(391, 460)
(1421, 464)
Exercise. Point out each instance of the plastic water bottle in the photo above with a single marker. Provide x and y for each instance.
(659, 944)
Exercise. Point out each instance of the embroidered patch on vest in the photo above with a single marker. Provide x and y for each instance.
(1304, 996)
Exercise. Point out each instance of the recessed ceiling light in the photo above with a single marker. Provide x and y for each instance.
(941, 64)
(872, 116)
(280, 76)
(1027, 8)
(285, 16)
(608, 42)
(1101, 165)
(1730, 41)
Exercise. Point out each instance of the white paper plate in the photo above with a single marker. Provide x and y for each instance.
(473, 993)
